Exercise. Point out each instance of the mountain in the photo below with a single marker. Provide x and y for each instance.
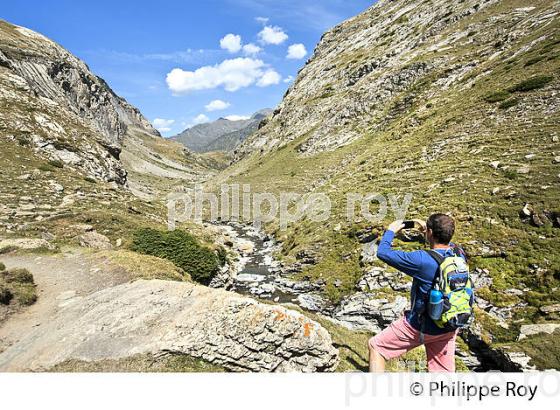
(220, 135)
(453, 102)
(51, 101)
(53, 105)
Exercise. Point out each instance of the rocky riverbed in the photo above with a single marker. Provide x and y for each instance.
(253, 270)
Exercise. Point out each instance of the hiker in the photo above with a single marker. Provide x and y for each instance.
(416, 327)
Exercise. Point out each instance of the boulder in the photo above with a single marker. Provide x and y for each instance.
(378, 278)
(94, 240)
(158, 317)
(311, 302)
(369, 252)
(363, 311)
(547, 310)
(534, 329)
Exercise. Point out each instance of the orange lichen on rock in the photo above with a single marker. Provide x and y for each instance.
(279, 315)
(307, 327)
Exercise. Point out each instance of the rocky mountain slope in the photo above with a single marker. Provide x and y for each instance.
(52, 102)
(220, 135)
(455, 102)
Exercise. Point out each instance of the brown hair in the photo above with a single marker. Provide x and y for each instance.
(442, 227)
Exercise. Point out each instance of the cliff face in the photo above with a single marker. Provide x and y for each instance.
(51, 100)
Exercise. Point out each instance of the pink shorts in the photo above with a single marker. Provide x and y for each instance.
(400, 337)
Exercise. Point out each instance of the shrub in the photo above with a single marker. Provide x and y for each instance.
(182, 249)
(497, 96)
(8, 249)
(509, 174)
(2, 267)
(24, 293)
(509, 103)
(17, 285)
(532, 83)
(5, 295)
(18, 275)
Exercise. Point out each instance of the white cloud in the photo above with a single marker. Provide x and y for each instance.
(231, 43)
(199, 119)
(251, 49)
(162, 125)
(296, 52)
(262, 20)
(217, 105)
(231, 74)
(271, 77)
(288, 79)
(272, 35)
(237, 117)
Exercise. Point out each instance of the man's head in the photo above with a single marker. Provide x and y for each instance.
(439, 229)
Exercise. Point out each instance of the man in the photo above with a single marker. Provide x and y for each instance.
(415, 327)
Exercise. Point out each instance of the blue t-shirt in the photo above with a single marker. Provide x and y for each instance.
(422, 268)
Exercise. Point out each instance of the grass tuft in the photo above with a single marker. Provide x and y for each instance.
(532, 83)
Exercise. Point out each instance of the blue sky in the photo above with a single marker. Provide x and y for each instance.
(172, 59)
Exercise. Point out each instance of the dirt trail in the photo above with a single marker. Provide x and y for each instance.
(59, 278)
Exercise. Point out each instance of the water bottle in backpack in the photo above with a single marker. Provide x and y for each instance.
(435, 304)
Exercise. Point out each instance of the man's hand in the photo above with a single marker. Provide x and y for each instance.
(396, 226)
(421, 224)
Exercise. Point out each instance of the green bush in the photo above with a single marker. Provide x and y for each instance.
(509, 103)
(2, 267)
(5, 295)
(182, 249)
(497, 96)
(8, 249)
(17, 285)
(532, 83)
(17, 275)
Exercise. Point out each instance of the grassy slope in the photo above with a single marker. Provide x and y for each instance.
(456, 133)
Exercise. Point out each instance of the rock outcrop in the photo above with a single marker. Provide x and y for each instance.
(364, 311)
(158, 317)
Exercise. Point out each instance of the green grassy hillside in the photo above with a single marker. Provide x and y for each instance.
(479, 145)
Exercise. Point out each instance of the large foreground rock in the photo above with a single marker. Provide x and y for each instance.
(363, 311)
(156, 317)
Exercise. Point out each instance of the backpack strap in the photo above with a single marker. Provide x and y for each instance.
(439, 260)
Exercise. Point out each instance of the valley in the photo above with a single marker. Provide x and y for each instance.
(455, 103)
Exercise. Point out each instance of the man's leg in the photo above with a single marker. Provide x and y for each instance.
(398, 338)
(440, 352)
(376, 361)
